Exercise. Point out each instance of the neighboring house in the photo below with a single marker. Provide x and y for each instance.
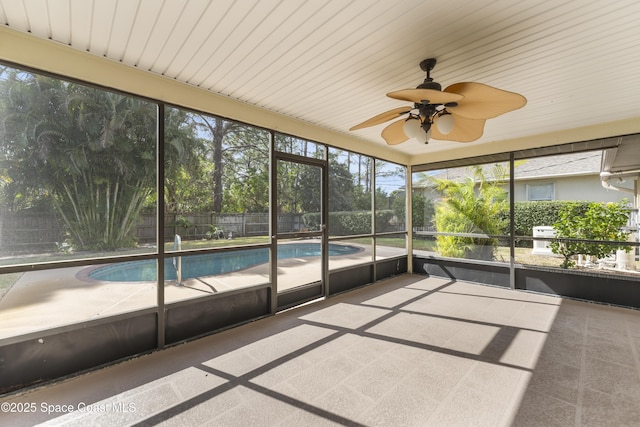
(574, 176)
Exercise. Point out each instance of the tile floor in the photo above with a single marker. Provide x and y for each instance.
(408, 351)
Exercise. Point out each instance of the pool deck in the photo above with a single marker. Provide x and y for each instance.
(46, 299)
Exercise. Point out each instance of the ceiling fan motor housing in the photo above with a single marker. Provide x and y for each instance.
(427, 65)
(430, 84)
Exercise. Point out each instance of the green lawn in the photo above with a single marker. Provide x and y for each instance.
(424, 245)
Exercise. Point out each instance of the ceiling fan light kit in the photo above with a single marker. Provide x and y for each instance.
(412, 127)
(445, 123)
(459, 112)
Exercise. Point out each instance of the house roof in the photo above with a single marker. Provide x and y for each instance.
(574, 164)
(587, 163)
(327, 65)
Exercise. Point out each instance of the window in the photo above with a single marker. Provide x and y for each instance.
(463, 212)
(390, 197)
(540, 192)
(350, 207)
(216, 195)
(391, 209)
(77, 176)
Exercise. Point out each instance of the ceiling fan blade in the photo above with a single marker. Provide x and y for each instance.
(419, 95)
(394, 133)
(464, 130)
(383, 117)
(484, 102)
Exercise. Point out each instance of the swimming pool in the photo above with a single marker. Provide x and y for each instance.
(211, 264)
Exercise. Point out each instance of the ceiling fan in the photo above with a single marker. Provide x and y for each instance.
(458, 112)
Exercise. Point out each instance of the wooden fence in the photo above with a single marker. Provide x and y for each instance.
(249, 224)
(37, 232)
(29, 232)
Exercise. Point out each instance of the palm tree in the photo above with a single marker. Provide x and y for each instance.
(471, 206)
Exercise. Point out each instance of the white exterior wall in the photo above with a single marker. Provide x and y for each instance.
(588, 188)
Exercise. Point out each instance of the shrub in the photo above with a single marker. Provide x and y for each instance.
(349, 222)
(183, 222)
(529, 214)
(341, 223)
(345, 223)
(311, 221)
(600, 221)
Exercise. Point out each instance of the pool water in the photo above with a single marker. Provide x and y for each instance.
(211, 264)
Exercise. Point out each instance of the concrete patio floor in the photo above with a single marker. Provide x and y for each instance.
(407, 351)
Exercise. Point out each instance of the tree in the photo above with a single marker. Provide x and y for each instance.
(600, 222)
(221, 166)
(89, 151)
(298, 188)
(471, 206)
(216, 130)
(248, 192)
(246, 170)
(341, 187)
(186, 177)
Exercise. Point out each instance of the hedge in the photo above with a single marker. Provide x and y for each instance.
(538, 213)
(527, 215)
(350, 223)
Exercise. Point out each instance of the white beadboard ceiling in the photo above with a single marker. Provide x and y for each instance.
(331, 62)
